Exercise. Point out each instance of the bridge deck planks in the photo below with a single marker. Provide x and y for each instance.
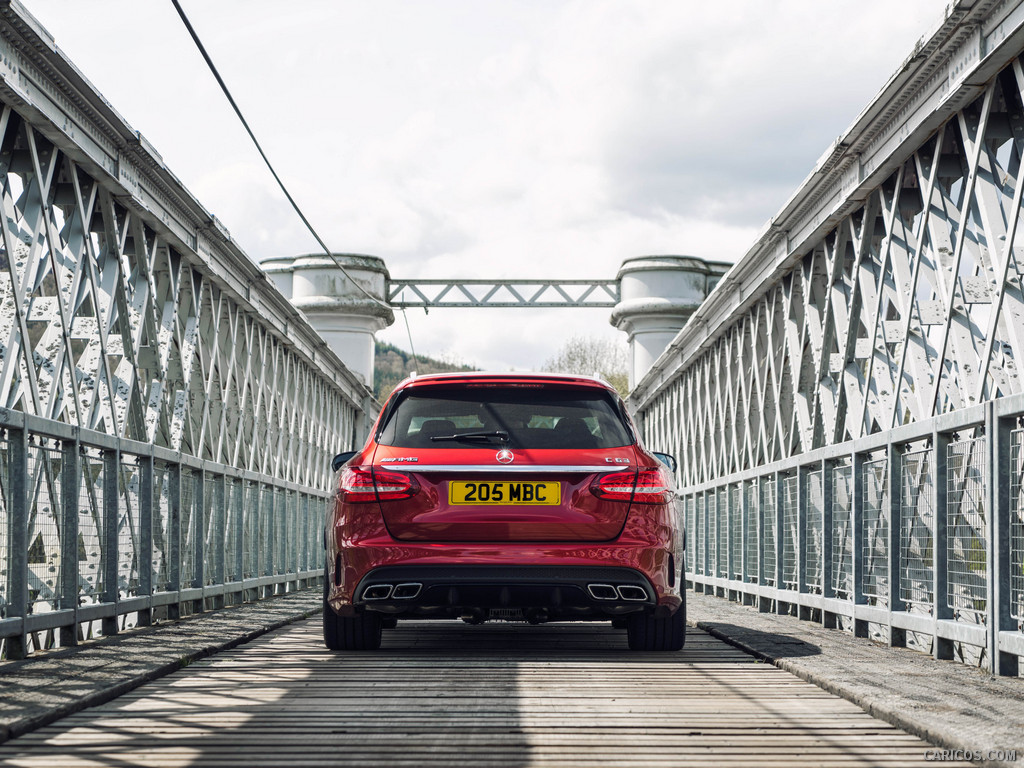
(443, 694)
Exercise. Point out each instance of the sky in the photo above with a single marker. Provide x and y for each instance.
(538, 139)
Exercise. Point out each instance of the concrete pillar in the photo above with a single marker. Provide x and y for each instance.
(657, 295)
(345, 316)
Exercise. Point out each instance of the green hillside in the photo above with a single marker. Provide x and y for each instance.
(392, 364)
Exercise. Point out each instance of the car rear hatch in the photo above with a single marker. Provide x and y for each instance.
(504, 462)
(539, 496)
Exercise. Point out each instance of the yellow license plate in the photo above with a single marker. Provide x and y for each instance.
(507, 492)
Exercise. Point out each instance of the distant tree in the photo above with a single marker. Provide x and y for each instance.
(592, 356)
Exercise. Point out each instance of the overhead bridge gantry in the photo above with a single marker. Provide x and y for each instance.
(650, 298)
(475, 294)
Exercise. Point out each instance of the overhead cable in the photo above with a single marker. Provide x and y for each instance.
(241, 117)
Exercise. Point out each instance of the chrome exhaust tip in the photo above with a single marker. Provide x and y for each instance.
(377, 592)
(406, 591)
(632, 592)
(602, 591)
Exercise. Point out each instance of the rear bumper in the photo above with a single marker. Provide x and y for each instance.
(554, 577)
(530, 592)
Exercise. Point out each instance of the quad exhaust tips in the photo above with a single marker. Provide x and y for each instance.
(411, 590)
(629, 592)
(406, 591)
(602, 591)
(377, 592)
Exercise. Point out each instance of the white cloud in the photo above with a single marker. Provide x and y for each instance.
(537, 138)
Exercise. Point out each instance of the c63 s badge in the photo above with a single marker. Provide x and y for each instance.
(400, 458)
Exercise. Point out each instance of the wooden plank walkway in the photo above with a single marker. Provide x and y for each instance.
(446, 694)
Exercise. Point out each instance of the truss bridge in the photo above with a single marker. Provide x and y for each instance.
(845, 402)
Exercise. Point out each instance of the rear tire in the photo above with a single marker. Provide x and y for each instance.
(646, 633)
(361, 632)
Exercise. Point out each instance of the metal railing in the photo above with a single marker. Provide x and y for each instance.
(99, 534)
(167, 416)
(903, 536)
(853, 382)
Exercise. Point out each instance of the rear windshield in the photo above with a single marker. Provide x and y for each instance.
(513, 417)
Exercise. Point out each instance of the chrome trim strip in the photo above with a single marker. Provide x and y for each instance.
(503, 468)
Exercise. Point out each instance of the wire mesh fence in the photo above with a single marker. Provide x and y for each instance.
(102, 527)
(790, 523)
(190, 536)
(751, 512)
(250, 530)
(815, 530)
(917, 514)
(303, 528)
(5, 527)
(45, 472)
(892, 540)
(280, 532)
(128, 530)
(293, 528)
(161, 556)
(700, 532)
(842, 532)
(714, 536)
(724, 536)
(875, 550)
(266, 495)
(690, 512)
(1016, 477)
(233, 526)
(768, 519)
(213, 540)
(92, 554)
(736, 530)
(966, 558)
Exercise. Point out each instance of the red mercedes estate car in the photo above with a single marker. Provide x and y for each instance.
(514, 497)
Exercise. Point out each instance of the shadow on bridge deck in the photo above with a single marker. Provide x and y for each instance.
(946, 702)
(499, 694)
(448, 694)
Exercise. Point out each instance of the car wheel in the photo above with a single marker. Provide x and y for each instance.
(350, 633)
(646, 633)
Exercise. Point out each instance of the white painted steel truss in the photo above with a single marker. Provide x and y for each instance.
(847, 404)
(106, 325)
(503, 293)
(167, 418)
(907, 305)
(125, 308)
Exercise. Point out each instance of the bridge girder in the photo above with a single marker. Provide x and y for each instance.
(167, 418)
(887, 291)
(431, 294)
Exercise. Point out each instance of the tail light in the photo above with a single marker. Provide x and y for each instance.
(366, 484)
(644, 486)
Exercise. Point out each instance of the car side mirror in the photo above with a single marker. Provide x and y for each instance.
(341, 459)
(667, 459)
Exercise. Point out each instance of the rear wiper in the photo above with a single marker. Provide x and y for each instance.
(496, 435)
